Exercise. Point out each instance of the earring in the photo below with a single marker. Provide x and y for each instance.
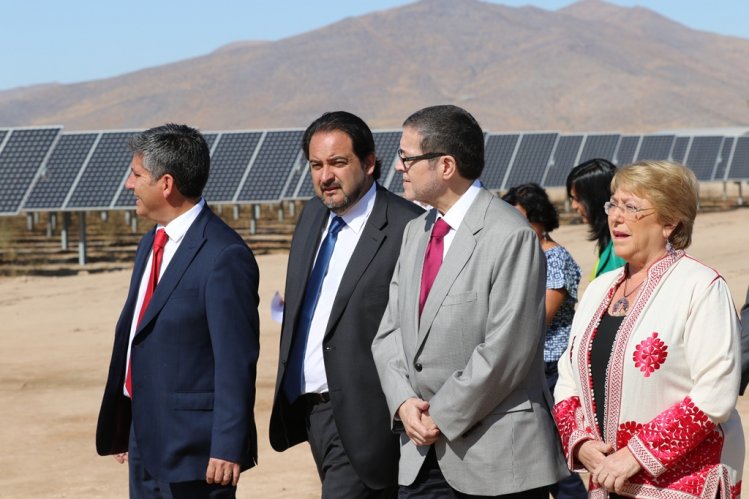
(670, 248)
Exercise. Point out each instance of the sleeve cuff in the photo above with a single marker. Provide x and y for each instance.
(647, 460)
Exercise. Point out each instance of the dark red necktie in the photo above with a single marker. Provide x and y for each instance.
(432, 259)
(159, 241)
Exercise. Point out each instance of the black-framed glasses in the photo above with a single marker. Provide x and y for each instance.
(414, 159)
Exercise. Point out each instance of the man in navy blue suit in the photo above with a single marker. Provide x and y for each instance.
(178, 404)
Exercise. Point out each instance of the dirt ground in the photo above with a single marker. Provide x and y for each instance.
(55, 343)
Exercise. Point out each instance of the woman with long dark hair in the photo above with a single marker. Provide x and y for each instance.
(589, 187)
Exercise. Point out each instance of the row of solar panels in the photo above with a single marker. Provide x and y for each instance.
(44, 169)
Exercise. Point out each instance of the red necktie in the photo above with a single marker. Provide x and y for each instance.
(159, 241)
(432, 259)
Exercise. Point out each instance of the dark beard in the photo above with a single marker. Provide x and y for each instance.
(347, 201)
(336, 207)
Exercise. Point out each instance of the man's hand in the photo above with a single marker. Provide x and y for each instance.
(614, 471)
(591, 453)
(420, 428)
(120, 458)
(223, 472)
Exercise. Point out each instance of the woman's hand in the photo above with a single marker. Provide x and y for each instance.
(614, 471)
(591, 453)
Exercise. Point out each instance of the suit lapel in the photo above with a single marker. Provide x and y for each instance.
(461, 249)
(141, 258)
(412, 294)
(369, 244)
(301, 260)
(188, 248)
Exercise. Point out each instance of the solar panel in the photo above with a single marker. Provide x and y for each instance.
(396, 182)
(306, 190)
(100, 181)
(565, 158)
(531, 159)
(67, 159)
(210, 139)
(270, 171)
(500, 150)
(721, 167)
(703, 154)
(740, 162)
(655, 147)
(23, 154)
(599, 146)
(231, 158)
(681, 148)
(295, 179)
(386, 147)
(627, 150)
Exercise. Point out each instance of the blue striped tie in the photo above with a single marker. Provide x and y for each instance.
(294, 379)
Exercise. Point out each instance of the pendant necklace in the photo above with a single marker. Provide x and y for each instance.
(621, 306)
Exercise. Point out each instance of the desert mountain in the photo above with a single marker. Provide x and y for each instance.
(590, 66)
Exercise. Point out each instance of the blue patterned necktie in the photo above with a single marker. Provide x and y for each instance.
(294, 380)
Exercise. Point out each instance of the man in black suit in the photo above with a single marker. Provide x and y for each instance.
(178, 404)
(342, 257)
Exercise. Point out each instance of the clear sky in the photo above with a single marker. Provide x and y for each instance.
(66, 41)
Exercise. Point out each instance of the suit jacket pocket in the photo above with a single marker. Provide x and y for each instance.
(458, 298)
(192, 401)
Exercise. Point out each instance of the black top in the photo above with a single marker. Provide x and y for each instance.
(600, 353)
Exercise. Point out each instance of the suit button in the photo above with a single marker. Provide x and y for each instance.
(418, 367)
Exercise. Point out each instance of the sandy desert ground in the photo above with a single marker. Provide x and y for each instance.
(55, 343)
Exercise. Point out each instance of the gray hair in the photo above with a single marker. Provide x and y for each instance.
(180, 151)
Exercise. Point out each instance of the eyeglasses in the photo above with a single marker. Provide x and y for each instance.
(628, 210)
(414, 159)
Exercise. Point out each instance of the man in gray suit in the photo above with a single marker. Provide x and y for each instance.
(459, 349)
(342, 257)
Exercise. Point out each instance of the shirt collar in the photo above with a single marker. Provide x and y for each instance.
(356, 216)
(177, 228)
(457, 212)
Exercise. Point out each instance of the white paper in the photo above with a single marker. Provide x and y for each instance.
(276, 308)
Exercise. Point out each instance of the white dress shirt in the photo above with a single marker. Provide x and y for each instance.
(175, 230)
(315, 380)
(457, 212)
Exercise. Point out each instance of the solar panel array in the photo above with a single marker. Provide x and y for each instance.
(531, 159)
(101, 179)
(387, 145)
(61, 171)
(230, 159)
(739, 169)
(628, 146)
(266, 178)
(725, 156)
(563, 160)
(46, 169)
(500, 151)
(23, 152)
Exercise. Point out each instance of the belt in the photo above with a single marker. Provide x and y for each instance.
(312, 399)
